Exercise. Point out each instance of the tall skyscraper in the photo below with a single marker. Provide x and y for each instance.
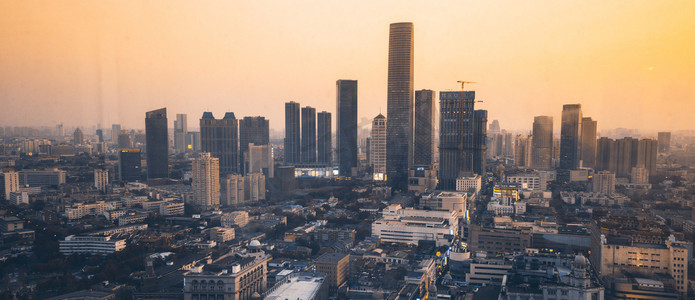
(252, 130)
(292, 133)
(647, 150)
(606, 155)
(157, 144)
(456, 136)
(521, 154)
(588, 143)
(346, 122)
(377, 144)
(124, 140)
(115, 131)
(423, 140)
(129, 165)
(308, 149)
(100, 135)
(570, 136)
(219, 137)
(77, 137)
(206, 181)
(324, 143)
(664, 139)
(180, 133)
(259, 159)
(399, 111)
(542, 149)
(479, 141)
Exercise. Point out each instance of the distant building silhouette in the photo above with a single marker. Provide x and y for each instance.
(157, 144)
(542, 149)
(588, 143)
(219, 137)
(308, 142)
(181, 133)
(115, 131)
(423, 140)
(77, 137)
(346, 121)
(324, 143)
(570, 136)
(399, 112)
(377, 144)
(664, 139)
(252, 130)
(292, 133)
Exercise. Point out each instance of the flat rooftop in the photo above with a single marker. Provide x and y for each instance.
(300, 287)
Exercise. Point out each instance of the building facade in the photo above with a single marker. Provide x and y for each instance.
(206, 181)
(157, 144)
(220, 138)
(346, 121)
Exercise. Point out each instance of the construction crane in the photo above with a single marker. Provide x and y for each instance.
(462, 85)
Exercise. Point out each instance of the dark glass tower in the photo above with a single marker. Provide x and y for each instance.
(308, 149)
(456, 137)
(570, 136)
(220, 138)
(346, 121)
(588, 143)
(254, 130)
(157, 144)
(479, 141)
(324, 138)
(399, 111)
(129, 165)
(423, 141)
(292, 134)
(542, 144)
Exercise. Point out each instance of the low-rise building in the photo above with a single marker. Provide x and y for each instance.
(410, 226)
(221, 234)
(336, 268)
(89, 244)
(235, 218)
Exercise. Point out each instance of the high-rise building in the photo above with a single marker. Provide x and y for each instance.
(423, 140)
(664, 139)
(647, 150)
(606, 155)
(77, 137)
(308, 142)
(346, 123)
(129, 165)
(521, 151)
(157, 144)
(219, 137)
(206, 181)
(480, 141)
(570, 136)
(115, 131)
(252, 130)
(124, 140)
(542, 149)
(603, 182)
(180, 133)
(101, 179)
(399, 111)
(456, 137)
(324, 143)
(495, 127)
(100, 135)
(626, 156)
(232, 190)
(254, 187)
(60, 130)
(588, 143)
(377, 151)
(259, 159)
(292, 133)
(10, 183)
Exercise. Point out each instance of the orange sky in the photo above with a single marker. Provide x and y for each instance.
(629, 63)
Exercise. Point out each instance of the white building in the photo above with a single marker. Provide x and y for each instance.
(101, 245)
(206, 181)
(18, 198)
(469, 183)
(101, 179)
(238, 218)
(233, 187)
(171, 209)
(449, 201)
(10, 183)
(221, 234)
(528, 181)
(260, 160)
(603, 182)
(254, 187)
(411, 226)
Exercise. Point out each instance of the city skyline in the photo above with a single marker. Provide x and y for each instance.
(612, 64)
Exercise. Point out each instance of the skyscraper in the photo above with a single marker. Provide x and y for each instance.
(292, 133)
(308, 149)
(588, 143)
(542, 149)
(346, 121)
(520, 151)
(423, 140)
(456, 136)
(480, 141)
(570, 136)
(101, 179)
(157, 140)
(180, 133)
(399, 128)
(377, 151)
(115, 131)
(606, 155)
(324, 142)
(206, 181)
(664, 139)
(100, 135)
(219, 137)
(129, 165)
(77, 137)
(252, 130)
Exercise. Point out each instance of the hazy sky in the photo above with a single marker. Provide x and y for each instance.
(629, 63)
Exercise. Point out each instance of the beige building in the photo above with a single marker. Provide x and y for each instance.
(10, 183)
(377, 147)
(469, 183)
(410, 226)
(221, 234)
(235, 218)
(233, 187)
(101, 179)
(206, 181)
(336, 268)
